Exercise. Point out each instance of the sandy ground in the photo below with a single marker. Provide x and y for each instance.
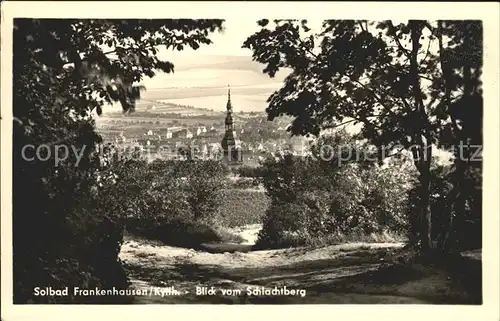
(158, 266)
(355, 273)
(248, 232)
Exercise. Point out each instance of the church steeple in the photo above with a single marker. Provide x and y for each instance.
(229, 116)
(229, 107)
(229, 141)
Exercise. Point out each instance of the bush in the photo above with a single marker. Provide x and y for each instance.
(65, 236)
(283, 226)
(245, 183)
(176, 201)
(314, 199)
(180, 233)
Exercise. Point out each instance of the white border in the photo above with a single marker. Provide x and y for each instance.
(487, 12)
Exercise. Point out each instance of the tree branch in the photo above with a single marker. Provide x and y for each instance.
(377, 98)
(361, 25)
(341, 124)
(427, 53)
(392, 30)
(396, 153)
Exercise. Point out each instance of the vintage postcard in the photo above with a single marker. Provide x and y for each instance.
(249, 160)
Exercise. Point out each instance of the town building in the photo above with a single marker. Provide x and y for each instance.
(230, 145)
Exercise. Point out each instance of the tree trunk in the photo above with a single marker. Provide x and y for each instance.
(423, 139)
(457, 199)
(458, 195)
(462, 160)
(425, 206)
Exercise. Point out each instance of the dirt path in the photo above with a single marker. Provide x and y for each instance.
(354, 273)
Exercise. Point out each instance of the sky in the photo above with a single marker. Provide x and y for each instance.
(230, 41)
(210, 64)
(211, 69)
(236, 31)
(225, 44)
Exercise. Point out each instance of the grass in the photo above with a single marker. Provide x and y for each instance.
(289, 240)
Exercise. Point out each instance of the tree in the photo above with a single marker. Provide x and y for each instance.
(65, 235)
(461, 67)
(403, 83)
(322, 195)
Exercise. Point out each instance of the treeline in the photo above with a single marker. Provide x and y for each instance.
(161, 114)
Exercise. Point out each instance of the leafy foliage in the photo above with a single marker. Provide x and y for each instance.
(409, 86)
(313, 198)
(69, 231)
(189, 191)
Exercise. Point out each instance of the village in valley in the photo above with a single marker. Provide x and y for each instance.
(162, 129)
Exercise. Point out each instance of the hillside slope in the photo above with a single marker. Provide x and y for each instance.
(350, 273)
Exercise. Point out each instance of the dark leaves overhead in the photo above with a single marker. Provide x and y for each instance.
(104, 57)
(360, 70)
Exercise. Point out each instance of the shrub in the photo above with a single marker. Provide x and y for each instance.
(205, 185)
(313, 199)
(283, 226)
(175, 201)
(245, 183)
(177, 232)
(65, 236)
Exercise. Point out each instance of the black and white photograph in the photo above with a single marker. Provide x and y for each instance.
(236, 160)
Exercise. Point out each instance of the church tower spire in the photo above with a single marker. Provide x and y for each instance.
(229, 141)
(229, 107)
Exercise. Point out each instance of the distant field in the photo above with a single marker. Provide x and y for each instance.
(129, 121)
(241, 103)
(243, 207)
(246, 99)
(180, 93)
